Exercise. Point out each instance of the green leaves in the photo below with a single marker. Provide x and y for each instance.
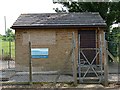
(110, 11)
(114, 40)
(10, 36)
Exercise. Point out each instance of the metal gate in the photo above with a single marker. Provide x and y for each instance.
(90, 69)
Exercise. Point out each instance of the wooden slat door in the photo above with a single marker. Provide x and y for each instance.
(88, 40)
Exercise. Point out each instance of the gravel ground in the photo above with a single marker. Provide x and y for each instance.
(41, 78)
(61, 86)
(51, 78)
(4, 64)
(38, 77)
(24, 77)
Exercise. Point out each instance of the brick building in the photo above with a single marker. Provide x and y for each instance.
(51, 35)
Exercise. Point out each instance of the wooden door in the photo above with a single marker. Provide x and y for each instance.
(88, 40)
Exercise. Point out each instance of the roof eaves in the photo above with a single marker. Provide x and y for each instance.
(57, 26)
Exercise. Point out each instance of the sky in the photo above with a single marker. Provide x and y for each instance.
(11, 9)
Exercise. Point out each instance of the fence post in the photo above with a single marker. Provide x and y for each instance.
(2, 54)
(30, 65)
(9, 53)
(119, 48)
(79, 63)
(73, 59)
(119, 60)
(105, 62)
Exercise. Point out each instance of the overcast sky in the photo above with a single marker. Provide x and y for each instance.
(13, 8)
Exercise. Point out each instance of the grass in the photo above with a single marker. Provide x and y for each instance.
(5, 46)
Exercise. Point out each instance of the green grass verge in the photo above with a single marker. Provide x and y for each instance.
(5, 46)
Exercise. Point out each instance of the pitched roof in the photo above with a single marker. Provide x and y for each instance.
(51, 20)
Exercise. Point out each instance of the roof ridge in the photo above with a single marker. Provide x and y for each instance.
(60, 13)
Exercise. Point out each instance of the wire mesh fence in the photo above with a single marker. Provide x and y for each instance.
(7, 54)
(60, 69)
(46, 68)
(7, 60)
(114, 60)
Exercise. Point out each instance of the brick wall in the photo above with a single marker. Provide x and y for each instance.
(58, 41)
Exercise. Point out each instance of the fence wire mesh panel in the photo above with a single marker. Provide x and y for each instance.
(7, 60)
(43, 63)
(114, 58)
(56, 61)
(7, 54)
(90, 66)
(113, 41)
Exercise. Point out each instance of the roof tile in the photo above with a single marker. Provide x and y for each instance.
(59, 19)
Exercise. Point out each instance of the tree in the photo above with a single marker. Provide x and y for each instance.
(10, 36)
(114, 40)
(110, 11)
(0, 36)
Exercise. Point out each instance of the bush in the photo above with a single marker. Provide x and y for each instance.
(7, 57)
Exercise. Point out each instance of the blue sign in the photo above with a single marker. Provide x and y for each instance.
(39, 52)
